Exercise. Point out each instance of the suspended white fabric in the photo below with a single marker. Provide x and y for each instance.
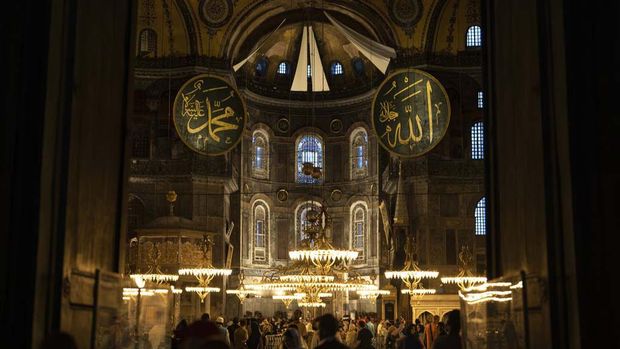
(300, 80)
(246, 59)
(377, 53)
(319, 82)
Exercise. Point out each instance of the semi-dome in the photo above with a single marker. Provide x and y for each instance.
(271, 69)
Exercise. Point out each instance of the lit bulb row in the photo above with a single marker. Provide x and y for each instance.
(307, 278)
(323, 255)
(464, 280)
(411, 274)
(419, 291)
(205, 272)
(495, 296)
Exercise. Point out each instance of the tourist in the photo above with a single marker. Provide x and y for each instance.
(364, 339)
(453, 339)
(241, 336)
(255, 337)
(351, 336)
(205, 317)
(58, 340)
(370, 325)
(314, 342)
(231, 330)
(441, 328)
(179, 333)
(411, 339)
(220, 325)
(328, 326)
(291, 339)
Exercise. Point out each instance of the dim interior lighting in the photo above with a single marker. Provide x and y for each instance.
(465, 278)
(411, 274)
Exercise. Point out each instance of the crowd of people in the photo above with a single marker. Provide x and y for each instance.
(323, 332)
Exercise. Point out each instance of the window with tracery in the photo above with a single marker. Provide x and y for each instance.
(148, 42)
(337, 68)
(358, 230)
(260, 155)
(359, 154)
(261, 231)
(480, 215)
(283, 68)
(477, 141)
(474, 36)
(309, 151)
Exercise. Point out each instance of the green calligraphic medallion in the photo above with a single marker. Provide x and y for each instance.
(209, 115)
(410, 113)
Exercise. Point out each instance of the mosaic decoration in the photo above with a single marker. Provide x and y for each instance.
(215, 13)
(209, 115)
(410, 113)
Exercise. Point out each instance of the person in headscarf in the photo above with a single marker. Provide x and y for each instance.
(255, 340)
(291, 339)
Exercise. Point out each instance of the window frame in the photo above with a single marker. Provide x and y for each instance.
(477, 140)
(260, 253)
(480, 217)
(300, 178)
(359, 172)
(261, 172)
(473, 37)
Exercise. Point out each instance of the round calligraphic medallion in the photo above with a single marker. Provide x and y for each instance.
(410, 113)
(209, 115)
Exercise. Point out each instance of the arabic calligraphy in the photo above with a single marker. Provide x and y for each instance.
(410, 119)
(209, 115)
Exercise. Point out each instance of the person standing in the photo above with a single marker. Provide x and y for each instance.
(364, 339)
(453, 339)
(224, 332)
(328, 326)
(255, 340)
(412, 338)
(231, 330)
(241, 336)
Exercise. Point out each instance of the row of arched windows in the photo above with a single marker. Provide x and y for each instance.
(260, 227)
(358, 231)
(284, 67)
(309, 148)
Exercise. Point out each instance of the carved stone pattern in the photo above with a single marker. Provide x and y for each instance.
(437, 248)
(148, 13)
(473, 14)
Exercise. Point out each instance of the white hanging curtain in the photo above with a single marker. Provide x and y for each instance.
(377, 53)
(300, 80)
(319, 81)
(246, 59)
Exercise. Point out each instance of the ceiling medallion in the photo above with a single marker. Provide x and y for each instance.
(335, 126)
(283, 125)
(282, 195)
(336, 195)
(215, 13)
(406, 13)
(209, 115)
(410, 113)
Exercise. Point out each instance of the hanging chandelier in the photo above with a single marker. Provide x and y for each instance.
(204, 273)
(465, 278)
(242, 292)
(317, 269)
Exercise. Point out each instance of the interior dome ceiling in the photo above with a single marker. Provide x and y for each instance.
(284, 45)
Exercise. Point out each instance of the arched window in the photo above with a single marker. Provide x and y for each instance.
(309, 150)
(358, 66)
(480, 215)
(148, 42)
(337, 68)
(261, 231)
(260, 155)
(474, 36)
(283, 68)
(135, 213)
(309, 72)
(477, 141)
(359, 153)
(261, 67)
(358, 229)
(480, 100)
(301, 219)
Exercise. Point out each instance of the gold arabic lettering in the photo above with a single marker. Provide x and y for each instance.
(213, 120)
